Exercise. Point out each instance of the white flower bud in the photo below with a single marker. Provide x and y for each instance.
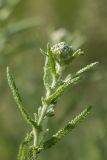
(62, 53)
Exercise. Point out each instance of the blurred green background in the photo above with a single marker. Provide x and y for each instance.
(25, 27)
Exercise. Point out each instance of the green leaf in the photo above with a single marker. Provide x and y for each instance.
(51, 61)
(18, 99)
(32, 155)
(52, 98)
(23, 147)
(77, 53)
(85, 69)
(47, 78)
(64, 131)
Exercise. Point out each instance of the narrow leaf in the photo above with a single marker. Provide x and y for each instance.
(47, 78)
(64, 131)
(23, 147)
(52, 61)
(18, 99)
(61, 90)
(85, 69)
(77, 53)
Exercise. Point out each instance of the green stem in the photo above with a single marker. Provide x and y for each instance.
(35, 142)
(35, 133)
(43, 112)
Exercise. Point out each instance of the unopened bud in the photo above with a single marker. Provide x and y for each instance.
(62, 53)
(50, 112)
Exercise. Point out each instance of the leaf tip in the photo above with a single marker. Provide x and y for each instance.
(7, 68)
(95, 63)
(8, 71)
(89, 108)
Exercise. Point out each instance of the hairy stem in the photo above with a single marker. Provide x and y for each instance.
(43, 112)
(35, 134)
(35, 142)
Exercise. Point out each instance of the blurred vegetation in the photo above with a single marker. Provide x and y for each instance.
(25, 27)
